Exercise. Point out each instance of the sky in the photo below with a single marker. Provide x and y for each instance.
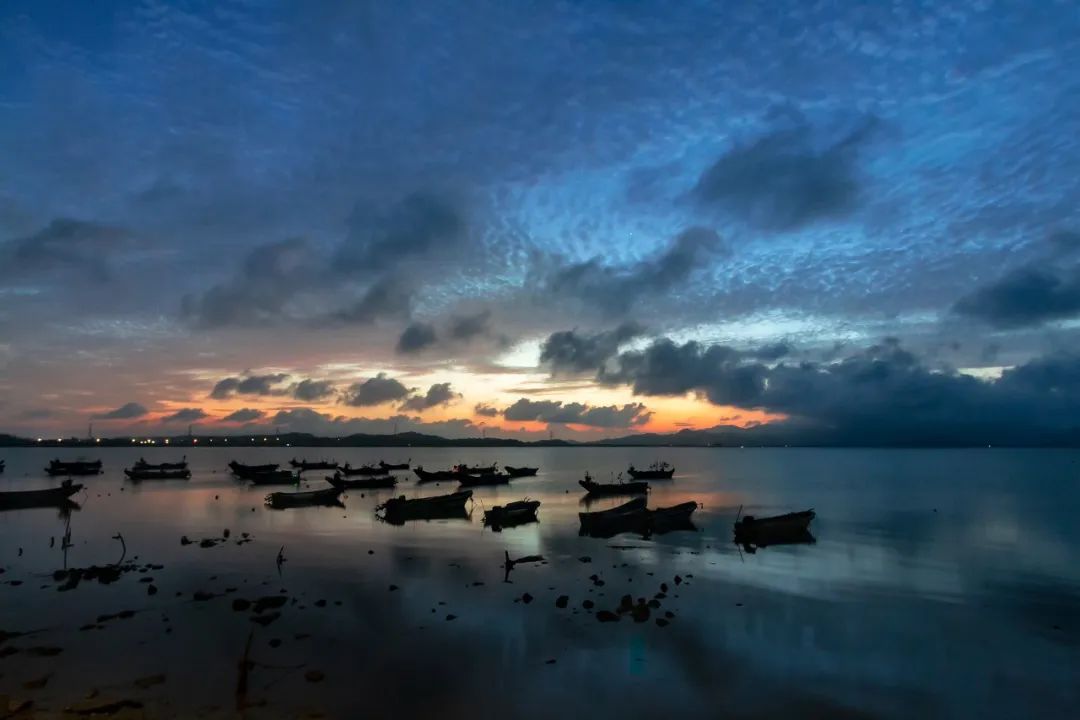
(580, 219)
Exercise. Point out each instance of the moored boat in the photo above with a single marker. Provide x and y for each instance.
(516, 472)
(339, 481)
(279, 500)
(434, 475)
(634, 510)
(138, 473)
(49, 497)
(246, 471)
(514, 513)
(676, 517)
(656, 471)
(749, 525)
(394, 466)
(475, 469)
(399, 509)
(348, 470)
(304, 465)
(77, 467)
(620, 488)
(141, 464)
(485, 479)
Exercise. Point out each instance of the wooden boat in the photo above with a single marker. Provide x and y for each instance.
(475, 470)
(516, 472)
(750, 526)
(78, 467)
(676, 517)
(141, 464)
(339, 481)
(619, 488)
(518, 512)
(429, 508)
(50, 497)
(393, 466)
(434, 475)
(304, 465)
(656, 471)
(485, 479)
(138, 473)
(279, 500)
(348, 470)
(246, 471)
(632, 511)
(274, 477)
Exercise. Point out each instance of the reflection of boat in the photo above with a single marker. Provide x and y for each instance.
(348, 470)
(328, 496)
(141, 464)
(485, 479)
(429, 508)
(516, 472)
(656, 471)
(50, 497)
(138, 473)
(394, 466)
(274, 477)
(518, 512)
(304, 465)
(77, 467)
(364, 483)
(246, 471)
(790, 529)
(619, 488)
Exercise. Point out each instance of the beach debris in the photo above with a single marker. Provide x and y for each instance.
(562, 601)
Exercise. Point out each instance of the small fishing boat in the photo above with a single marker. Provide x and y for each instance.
(791, 522)
(656, 471)
(348, 470)
(50, 497)
(139, 474)
(274, 477)
(279, 500)
(676, 517)
(246, 471)
(619, 488)
(518, 512)
(364, 483)
(394, 466)
(434, 475)
(141, 464)
(78, 467)
(304, 465)
(629, 512)
(475, 470)
(429, 508)
(516, 472)
(485, 479)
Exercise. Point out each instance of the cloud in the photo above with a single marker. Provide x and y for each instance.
(311, 421)
(615, 289)
(1026, 297)
(464, 328)
(375, 391)
(77, 246)
(484, 410)
(570, 352)
(389, 298)
(128, 411)
(557, 412)
(784, 180)
(249, 385)
(187, 415)
(416, 337)
(437, 394)
(422, 224)
(244, 415)
(312, 390)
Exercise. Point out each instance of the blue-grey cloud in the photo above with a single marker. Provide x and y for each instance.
(127, 411)
(556, 412)
(438, 394)
(570, 351)
(185, 415)
(378, 390)
(243, 415)
(416, 337)
(312, 390)
(80, 248)
(1028, 296)
(249, 385)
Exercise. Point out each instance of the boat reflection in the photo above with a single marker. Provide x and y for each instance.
(752, 542)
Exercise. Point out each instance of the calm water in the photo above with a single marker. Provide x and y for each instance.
(942, 584)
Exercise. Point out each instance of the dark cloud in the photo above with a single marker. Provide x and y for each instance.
(1026, 297)
(464, 328)
(249, 385)
(389, 298)
(557, 412)
(420, 225)
(416, 337)
(484, 410)
(37, 414)
(128, 411)
(312, 390)
(270, 277)
(571, 352)
(614, 290)
(186, 415)
(375, 391)
(437, 394)
(244, 415)
(784, 180)
(80, 247)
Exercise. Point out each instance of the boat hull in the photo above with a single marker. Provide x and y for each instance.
(606, 490)
(280, 500)
(364, 483)
(50, 497)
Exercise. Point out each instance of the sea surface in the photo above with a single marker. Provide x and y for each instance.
(942, 584)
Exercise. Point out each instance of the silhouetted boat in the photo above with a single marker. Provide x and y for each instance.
(274, 477)
(475, 470)
(632, 512)
(619, 488)
(394, 466)
(141, 464)
(385, 481)
(516, 472)
(304, 465)
(750, 525)
(434, 475)
(246, 471)
(140, 474)
(518, 512)
(50, 497)
(348, 470)
(279, 500)
(661, 519)
(656, 471)
(485, 479)
(77, 467)
(429, 508)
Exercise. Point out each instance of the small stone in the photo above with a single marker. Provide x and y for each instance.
(151, 590)
(240, 604)
(526, 598)
(661, 622)
(678, 580)
(550, 661)
(393, 588)
(607, 616)
(201, 596)
(585, 559)
(320, 603)
(562, 601)
(451, 617)
(588, 604)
